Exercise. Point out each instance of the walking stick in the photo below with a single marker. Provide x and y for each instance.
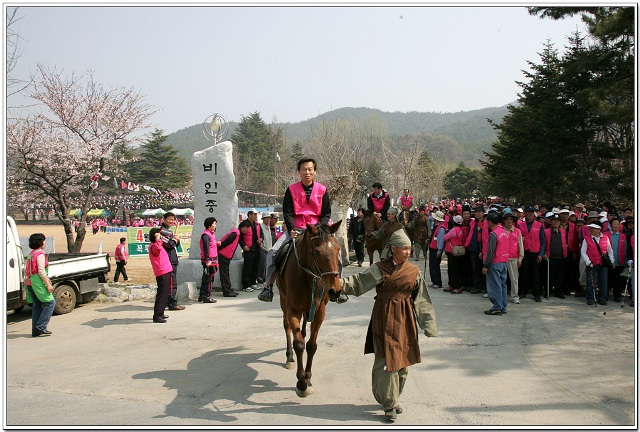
(594, 286)
(548, 266)
(626, 285)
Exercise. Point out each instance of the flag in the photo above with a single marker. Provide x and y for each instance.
(115, 183)
(136, 188)
(105, 177)
(278, 156)
(123, 184)
(130, 186)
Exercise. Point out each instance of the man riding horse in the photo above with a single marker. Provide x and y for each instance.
(305, 202)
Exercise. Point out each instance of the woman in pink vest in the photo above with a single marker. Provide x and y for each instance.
(39, 288)
(435, 249)
(495, 265)
(163, 271)
(455, 237)
(516, 253)
(593, 247)
(209, 259)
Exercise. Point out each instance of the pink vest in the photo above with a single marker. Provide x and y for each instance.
(229, 249)
(592, 250)
(33, 268)
(213, 246)
(434, 240)
(306, 213)
(531, 239)
(502, 246)
(547, 241)
(248, 236)
(455, 237)
(121, 253)
(622, 247)
(405, 201)
(571, 237)
(513, 242)
(378, 203)
(160, 264)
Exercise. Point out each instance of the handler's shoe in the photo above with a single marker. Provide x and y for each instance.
(390, 414)
(267, 294)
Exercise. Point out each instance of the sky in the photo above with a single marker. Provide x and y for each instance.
(293, 63)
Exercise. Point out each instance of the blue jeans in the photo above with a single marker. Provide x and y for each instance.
(598, 273)
(434, 267)
(40, 313)
(497, 286)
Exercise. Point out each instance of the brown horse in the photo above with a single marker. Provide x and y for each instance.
(372, 223)
(420, 235)
(309, 280)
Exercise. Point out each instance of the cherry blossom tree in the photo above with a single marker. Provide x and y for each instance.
(61, 151)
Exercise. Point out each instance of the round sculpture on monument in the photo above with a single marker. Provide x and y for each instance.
(214, 127)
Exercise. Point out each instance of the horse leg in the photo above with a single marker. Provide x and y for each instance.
(287, 332)
(298, 347)
(312, 344)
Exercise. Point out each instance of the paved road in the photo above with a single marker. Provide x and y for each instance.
(558, 362)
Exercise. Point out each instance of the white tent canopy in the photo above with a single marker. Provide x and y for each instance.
(181, 212)
(153, 212)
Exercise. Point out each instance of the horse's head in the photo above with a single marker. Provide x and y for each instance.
(371, 223)
(322, 256)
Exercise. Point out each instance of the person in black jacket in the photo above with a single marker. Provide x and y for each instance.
(356, 232)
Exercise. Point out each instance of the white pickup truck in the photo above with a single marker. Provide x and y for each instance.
(72, 275)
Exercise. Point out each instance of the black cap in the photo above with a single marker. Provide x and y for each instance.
(493, 217)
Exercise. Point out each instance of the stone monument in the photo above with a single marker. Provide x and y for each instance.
(214, 190)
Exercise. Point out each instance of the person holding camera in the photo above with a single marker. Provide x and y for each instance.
(162, 270)
(209, 259)
(170, 246)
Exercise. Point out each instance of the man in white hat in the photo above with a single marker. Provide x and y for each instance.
(402, 301)
(593, 248)
(435, 249)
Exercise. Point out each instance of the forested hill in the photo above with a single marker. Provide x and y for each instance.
(469, 131)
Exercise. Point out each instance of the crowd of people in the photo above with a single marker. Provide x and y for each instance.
(548, 250)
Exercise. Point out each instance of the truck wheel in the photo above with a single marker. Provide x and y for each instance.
(65, 297)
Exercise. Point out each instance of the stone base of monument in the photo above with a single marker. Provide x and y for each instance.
(190, 270)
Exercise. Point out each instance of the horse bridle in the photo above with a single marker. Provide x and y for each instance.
(316, 277)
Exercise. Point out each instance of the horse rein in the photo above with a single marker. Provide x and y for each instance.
(316, 277)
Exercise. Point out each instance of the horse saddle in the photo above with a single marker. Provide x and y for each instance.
(283, 254)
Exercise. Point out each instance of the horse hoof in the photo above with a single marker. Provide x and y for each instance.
(307, 392)
(290, 365)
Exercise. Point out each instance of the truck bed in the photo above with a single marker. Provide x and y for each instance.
(79, 265)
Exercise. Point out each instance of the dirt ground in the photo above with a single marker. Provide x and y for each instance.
(138, 268)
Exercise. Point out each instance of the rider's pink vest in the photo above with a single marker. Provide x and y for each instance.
(531, 239)
(229, 249)
(306, 213)
(406, 201)
(378, 203)
(502, 246)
